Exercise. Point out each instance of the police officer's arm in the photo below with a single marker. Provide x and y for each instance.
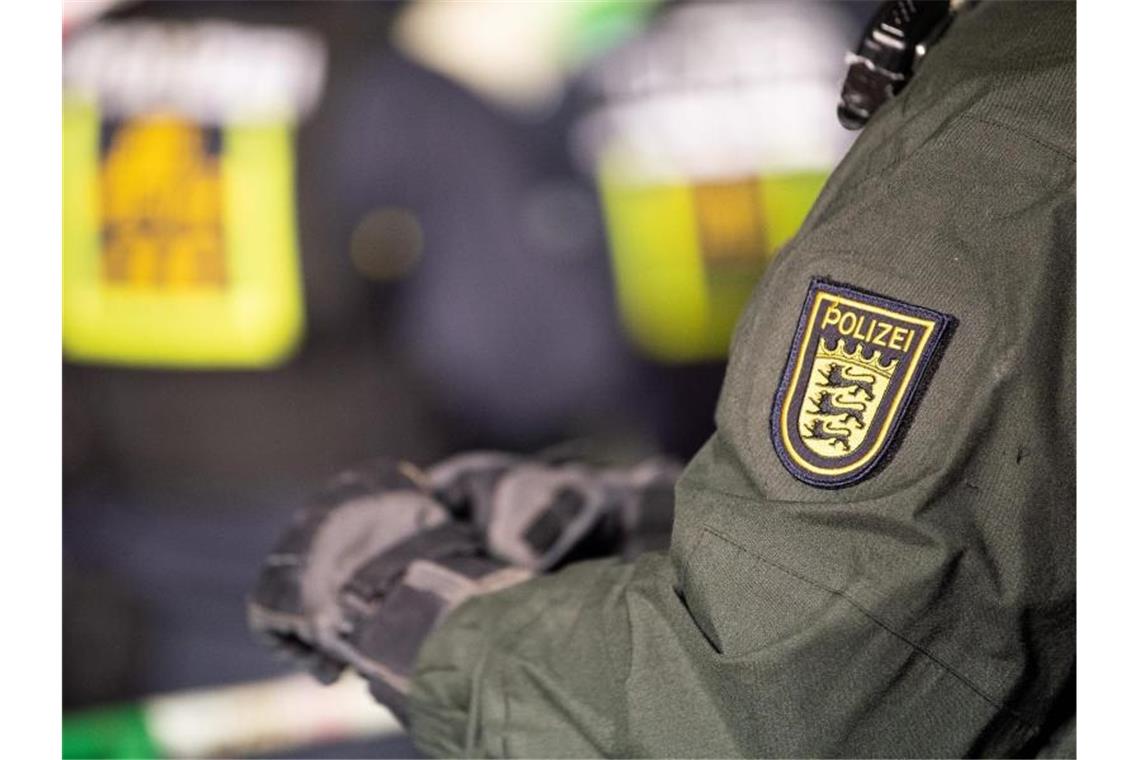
(924, 608)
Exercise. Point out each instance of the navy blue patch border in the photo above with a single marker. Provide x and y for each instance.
(945, 324)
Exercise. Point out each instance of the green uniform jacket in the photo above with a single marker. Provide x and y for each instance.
(928, 610)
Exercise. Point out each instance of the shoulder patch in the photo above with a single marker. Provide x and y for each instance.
(856, 365)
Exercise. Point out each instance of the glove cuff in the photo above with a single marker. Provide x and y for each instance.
(396, 600)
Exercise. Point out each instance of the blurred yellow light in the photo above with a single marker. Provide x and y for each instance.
(687, 254)
(174, 256)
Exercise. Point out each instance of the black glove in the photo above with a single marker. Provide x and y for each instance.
(365, 572)
(544, 515)
(376, 559)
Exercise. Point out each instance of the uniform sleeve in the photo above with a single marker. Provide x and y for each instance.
(926, 609)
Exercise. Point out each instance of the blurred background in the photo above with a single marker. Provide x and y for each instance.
(298, 235)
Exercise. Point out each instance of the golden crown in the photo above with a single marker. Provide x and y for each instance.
(855, 356)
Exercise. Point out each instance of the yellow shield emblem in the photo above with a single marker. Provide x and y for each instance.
(852, 374)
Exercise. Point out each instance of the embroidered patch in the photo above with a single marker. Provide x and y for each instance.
(856, 364)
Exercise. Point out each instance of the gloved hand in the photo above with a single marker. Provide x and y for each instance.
(365, 572)
(543, 515)
(373, 563)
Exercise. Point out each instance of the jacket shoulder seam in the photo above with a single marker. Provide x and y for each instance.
(940, 663)
(1020, 132)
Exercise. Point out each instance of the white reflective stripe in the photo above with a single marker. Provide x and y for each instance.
(712, 133)
(210, 71)
(265, 717)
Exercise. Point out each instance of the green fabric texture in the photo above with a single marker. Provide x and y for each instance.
(926, 611)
